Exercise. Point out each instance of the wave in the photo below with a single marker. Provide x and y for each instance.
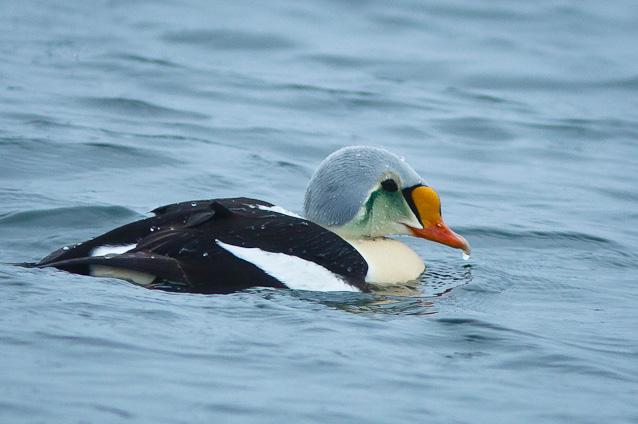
(127, 106)
(535, 238)
(65, 217)
(229, 39)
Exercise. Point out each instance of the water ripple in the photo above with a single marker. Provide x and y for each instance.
(229, 39)
(140, 108)
(70, 217)
(485, 236)
(524, 115)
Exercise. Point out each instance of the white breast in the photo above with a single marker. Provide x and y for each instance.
(389, 261)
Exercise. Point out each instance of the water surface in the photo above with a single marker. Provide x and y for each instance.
(523, 116)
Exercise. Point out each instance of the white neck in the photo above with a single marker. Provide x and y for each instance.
(389, 261)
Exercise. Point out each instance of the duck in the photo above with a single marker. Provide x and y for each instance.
(356, 203)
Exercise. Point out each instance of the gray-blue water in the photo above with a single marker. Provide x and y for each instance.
(523, 115)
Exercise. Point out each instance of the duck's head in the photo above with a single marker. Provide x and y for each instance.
(366, 192)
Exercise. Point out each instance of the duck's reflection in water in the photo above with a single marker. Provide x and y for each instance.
(414, 298)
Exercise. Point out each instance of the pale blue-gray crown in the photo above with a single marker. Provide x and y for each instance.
(344, 180)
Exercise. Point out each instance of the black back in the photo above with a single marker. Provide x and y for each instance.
(179, 246)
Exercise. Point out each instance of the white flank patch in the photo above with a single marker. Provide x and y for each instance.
(294, 272)
(278, 209)
(112, 250)
(137, 277)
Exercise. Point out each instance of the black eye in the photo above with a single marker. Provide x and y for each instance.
(389, 185)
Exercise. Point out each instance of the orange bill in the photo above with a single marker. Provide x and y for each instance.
(427, 206)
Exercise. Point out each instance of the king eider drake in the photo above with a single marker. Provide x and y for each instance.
(357, 197)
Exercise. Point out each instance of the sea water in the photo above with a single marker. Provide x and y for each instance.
(523, 116)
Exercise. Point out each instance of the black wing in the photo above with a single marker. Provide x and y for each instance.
(179, 245)
(176, 215)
